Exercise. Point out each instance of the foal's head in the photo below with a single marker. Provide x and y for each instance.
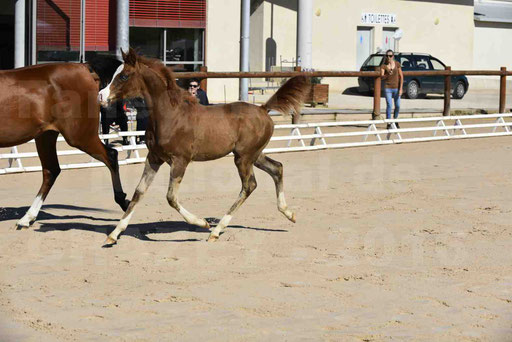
(135, 75)
(127, 82)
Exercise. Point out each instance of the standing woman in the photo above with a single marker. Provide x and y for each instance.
(391, 72)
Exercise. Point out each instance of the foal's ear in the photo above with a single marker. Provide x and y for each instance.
(130, 58)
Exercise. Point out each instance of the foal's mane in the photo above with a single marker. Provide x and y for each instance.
(176, 93)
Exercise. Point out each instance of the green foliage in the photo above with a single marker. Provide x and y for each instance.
(316, 80)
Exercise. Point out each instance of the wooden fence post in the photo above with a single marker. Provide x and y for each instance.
(296, 116)
(447, 91)
(376, 96)
(204, 81)
(503, 89)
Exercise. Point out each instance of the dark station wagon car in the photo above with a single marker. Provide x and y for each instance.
(416, 86)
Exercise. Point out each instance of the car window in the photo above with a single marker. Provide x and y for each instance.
(374, 61)
(436, 65)
(422, 63)
(405, 62)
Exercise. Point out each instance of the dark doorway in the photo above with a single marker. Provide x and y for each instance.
(6, 42)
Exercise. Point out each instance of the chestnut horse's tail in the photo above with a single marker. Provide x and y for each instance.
(290, 96)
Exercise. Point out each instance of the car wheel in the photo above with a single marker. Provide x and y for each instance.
(459, 91)
(413, 90)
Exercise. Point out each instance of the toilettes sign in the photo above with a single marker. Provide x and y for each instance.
(378, 18)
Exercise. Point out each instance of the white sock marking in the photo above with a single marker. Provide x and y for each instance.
(32, 212)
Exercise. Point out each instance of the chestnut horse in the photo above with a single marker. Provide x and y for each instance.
(181, 130)
(39, 102)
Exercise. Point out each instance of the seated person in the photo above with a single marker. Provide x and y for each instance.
(193, 89)
(111, 115)
(138, 105)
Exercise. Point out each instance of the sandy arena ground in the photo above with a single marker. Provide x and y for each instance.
(404, 242)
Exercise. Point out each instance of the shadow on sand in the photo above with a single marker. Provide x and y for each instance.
(140, 231)
(8, 213)
(355, 92)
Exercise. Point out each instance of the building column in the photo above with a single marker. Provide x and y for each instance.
(82, 31)
(123, 26)
(19, 34)
(244, 48)
(305, 34)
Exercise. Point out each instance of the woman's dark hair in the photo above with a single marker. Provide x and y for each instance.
(193, 80)
(385, 59)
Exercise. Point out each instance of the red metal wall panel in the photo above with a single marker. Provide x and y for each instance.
(97, 25)
(168, 13)
(58, 25)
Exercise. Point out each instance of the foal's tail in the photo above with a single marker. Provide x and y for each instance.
(290, 96)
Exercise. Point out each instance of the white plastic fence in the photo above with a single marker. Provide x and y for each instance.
(315, 136)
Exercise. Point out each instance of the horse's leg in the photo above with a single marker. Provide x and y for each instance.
(47, 151)
(178, 167)
(108, 156)
(105, 123)
(153, 163)
(275, 170)
(246, 172)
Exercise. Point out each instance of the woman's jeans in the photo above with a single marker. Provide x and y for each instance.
(392, 94)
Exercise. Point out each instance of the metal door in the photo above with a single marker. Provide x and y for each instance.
(388, 39)
(364, 44)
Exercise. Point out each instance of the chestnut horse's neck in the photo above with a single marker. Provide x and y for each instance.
(175, 93)
(162, 88)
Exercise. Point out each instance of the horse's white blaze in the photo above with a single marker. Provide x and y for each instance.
(32, 212)
(104, 93)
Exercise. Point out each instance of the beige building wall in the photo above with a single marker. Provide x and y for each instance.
(491, 51)
(282, 27)
(444, 29)
(275, 22)
(223, 47)
(493, 48)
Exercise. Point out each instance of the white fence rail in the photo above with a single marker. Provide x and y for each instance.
(310, 136)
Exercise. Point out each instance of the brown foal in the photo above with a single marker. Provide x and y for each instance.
(180, 130)
(39, 102)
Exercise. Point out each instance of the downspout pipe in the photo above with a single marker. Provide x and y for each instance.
(123, 27)
(19, 34)
(305, 34)
(244, 49)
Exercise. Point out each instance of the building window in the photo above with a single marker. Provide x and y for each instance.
(58, 28)
(184, 49)
(147, 41)
(177, 47)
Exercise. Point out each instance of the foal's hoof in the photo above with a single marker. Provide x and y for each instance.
(202, 223)
(109, 242)
(212, 238)
(293, 218)
(20, 227)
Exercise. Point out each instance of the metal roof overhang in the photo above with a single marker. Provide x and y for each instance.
(493, 12)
